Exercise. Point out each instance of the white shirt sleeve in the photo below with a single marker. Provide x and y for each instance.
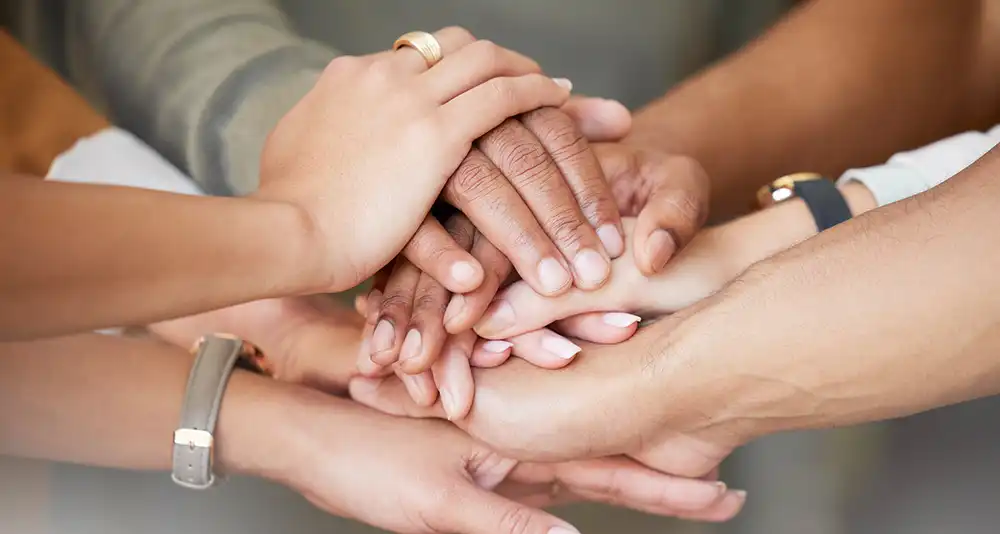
(116, 157)
(910, 173)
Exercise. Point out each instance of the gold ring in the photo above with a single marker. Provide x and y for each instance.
(424, 43)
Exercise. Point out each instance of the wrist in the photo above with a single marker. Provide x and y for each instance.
(291, 249)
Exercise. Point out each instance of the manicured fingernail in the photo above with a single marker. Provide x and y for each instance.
(384, 337)
(463, 272)
(454, 308)
(611, 238)
(560, 346)
(415, 385)
(591, 267)
(411, 345)
(552, 276)
(659, 248)
(497, 346)
(740, 494)
(498, 318)
(448, 402)
(563, 530)
(564, 83)
(620, 320)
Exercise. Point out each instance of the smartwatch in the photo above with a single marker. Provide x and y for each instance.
(825, 202)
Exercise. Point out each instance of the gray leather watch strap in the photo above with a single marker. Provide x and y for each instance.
(193, 440)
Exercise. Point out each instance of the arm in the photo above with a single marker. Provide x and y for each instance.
(838, 83)
(889, 315)
(140, 254)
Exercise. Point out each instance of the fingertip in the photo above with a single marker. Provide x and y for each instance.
(465, 275)
(611, 237)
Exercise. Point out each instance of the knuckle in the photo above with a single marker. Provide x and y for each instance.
(476, 178)
(502, 91)
(558, 130)
(460, 33)
(566, 228)
(463, 234)
(516, 520)
(396, 305)
(430, 301)
(524, 162)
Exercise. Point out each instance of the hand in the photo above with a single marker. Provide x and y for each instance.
(345, 459)
(367, 151)
(705, 266)
(610, 401)
(305, 340)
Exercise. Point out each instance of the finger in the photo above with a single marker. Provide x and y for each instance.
(527, 164)
(582, 173)
(632, 483)
(728, 506)
(676, 208)
(394, 312)
(473, 64)
(543, 348)
(453, 375)
(490, 353)
(420, 386)
(480, 109)
(426, 336)
(465, 309)
(484, 195)
(481, 511)
(365, 364)
(599, 327)
(599, 119)
(406, 59)
(434, 251)
(389, 395)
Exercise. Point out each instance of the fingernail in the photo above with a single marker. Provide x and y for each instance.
(552, 276)
(415, 386)
(591, 267)
(448, 402)
(741, 494)
(497, 346)
(411, 345)
(560, 346)
(454, 308)
(721, 487)
(498, 318)
(659, 248)
(564, 83)
(620, 320)
(463, 272)
(365, 364)
(611, 238)
(563, 530)
(384, 337)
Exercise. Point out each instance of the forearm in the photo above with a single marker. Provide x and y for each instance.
(839, 83)
(890, 314)
(81, 257)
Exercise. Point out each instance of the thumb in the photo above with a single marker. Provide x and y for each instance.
(480, 511)
(599, 119)
(674, 211)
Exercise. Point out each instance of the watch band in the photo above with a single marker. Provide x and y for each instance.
(193, 440)
(825, 202)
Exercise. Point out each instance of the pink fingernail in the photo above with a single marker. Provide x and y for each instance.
(564, 83)
(659, 248)
(591, 267)
(611, 238)
(448, 403)
(463, 272)
(411, 345)
(384, 337)
(560, 346)
(563, 530)
(454, 308)
(552, 276)
(497, 346)
(620, 320)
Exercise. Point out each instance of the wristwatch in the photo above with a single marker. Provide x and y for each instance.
(194, 443)
(821, 196)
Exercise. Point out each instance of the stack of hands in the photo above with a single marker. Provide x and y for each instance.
(559, 238)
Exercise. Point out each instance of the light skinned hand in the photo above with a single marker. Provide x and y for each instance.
(367, 151)
(350, 460)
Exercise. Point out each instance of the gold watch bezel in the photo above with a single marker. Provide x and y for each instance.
(783, 188)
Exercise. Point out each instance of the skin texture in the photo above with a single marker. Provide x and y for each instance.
(315, 444)
(719, 373)
(317, 223)
(837, 84)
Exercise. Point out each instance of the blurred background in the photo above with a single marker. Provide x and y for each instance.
(930, 473)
